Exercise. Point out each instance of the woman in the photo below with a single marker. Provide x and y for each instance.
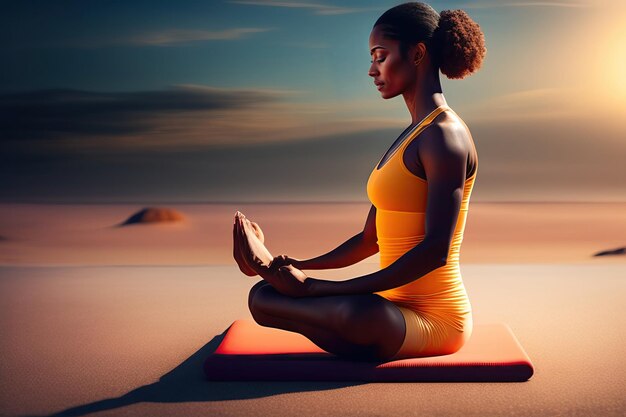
(416, 304)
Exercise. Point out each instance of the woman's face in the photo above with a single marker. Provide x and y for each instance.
(392, 73)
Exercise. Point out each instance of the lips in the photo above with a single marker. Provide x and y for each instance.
(378, 84)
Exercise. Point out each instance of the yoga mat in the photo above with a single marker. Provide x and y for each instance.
(251, 352)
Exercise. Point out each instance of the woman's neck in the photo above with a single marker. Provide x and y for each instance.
(424, 96)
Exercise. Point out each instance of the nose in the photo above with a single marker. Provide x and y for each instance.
(372, 71)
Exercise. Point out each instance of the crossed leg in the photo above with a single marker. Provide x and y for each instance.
(358, 327)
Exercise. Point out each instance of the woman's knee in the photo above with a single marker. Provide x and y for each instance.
(253, 292)
(363, 320)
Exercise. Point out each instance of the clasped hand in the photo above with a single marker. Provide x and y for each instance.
(285, 278)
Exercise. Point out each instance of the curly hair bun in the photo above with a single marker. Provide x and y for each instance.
(461, 44)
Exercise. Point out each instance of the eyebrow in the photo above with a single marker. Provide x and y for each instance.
(376, 47)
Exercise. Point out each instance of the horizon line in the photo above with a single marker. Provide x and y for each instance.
(228, 202)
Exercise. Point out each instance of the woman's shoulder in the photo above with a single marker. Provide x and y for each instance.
(447, 140)
(447, 131)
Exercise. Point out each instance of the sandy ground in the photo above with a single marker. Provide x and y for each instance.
(32, 234)
(130, 341)
(117, 321)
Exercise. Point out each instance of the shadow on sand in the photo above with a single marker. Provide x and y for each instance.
(187, 383)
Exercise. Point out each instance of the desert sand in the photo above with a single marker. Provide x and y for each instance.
(131, 341)
(117, 321)
(495, 233)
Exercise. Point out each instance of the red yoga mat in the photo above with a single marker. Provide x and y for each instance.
(251, 352)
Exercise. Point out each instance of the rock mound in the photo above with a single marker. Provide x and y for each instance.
(617, 251)
(154, 215)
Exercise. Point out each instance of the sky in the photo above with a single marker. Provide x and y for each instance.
(255, 101)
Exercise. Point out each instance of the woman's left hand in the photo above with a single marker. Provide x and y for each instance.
(292, 281)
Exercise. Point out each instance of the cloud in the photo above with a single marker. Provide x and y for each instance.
(186, 116)
(517, 161)
(532, 105)
(524, 105)
(63, 113)
(312, 45)
(318, 8)
(160, 38)
(204, 142)
(177, 36)
(523, 4)
(196, 117)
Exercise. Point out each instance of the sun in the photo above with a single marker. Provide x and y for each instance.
(615, 64)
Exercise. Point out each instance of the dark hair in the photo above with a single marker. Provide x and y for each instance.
(454, 41)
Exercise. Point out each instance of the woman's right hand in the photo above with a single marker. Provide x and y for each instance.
(282, 260)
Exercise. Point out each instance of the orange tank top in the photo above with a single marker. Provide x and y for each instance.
(400, 200)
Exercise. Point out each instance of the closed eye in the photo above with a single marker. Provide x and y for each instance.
(378, 60)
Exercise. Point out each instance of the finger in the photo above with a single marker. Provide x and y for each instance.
(257, 248)
(242, 240)
(258, 231)
(237, 252)
(236, 237)
(248, 227)
(239, 240)
(289, 282)
(284, 259)
(236, 228)
(273, 264)
(247, 233)
(253, 261)
(276, 263)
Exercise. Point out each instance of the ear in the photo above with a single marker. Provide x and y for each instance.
(418, 51)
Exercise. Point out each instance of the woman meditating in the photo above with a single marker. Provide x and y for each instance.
(416, 305)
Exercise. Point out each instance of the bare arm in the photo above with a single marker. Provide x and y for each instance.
(445, 161)
(358, 247)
